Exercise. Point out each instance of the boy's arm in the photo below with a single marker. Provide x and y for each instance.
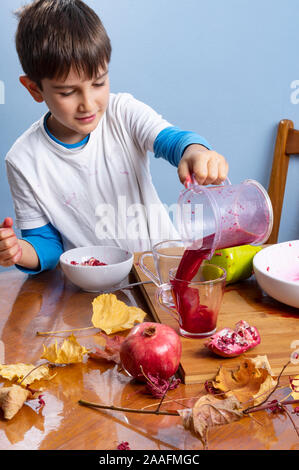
(46, 242)
(14, 250)
(37, 251)
(29, 258)
(192, 155)
(186, 150)
(207, 166)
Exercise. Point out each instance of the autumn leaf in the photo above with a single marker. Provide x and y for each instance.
(111, 350)
(18, 371)
(248, 382)
(112, 315)
(70, 352)
(209, 412)
(294, 383)
(12, 399)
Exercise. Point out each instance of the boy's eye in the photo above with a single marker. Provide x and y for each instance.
(67, 93)
(99, 84)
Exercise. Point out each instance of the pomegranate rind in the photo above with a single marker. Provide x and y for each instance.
(232, 343)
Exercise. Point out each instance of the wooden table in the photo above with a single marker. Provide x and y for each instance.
(50, 302)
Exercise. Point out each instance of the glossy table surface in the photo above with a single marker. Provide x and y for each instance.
(50, 302)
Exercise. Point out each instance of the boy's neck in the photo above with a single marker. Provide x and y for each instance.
(62, 133)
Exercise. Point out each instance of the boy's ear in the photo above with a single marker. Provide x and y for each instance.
(32, 87)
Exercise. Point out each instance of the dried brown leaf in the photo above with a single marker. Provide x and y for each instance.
(209, 412)
(12, 399)
(110, 352)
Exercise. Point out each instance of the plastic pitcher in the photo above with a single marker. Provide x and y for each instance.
(215, 217)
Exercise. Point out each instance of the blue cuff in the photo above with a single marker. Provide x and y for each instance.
(171, 143)
(48, 245)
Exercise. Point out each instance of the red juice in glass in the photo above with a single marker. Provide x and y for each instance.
(213, 218)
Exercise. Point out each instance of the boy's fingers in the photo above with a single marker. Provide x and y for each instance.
(6, 233)
(10, 252)
(222, 172)
(8, 222)
(11, 257)
(8, 243)
(6, 264)
(212, 172)
(183, 172)
(200, 169)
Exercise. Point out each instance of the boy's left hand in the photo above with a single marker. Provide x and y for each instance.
(208, 167)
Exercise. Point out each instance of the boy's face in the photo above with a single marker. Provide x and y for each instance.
(77, 104)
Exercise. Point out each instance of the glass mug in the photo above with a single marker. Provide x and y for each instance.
(166, 255)
(196, 302)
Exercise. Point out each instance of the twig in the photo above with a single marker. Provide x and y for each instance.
(40, 365)
(164, 395)
(127, 410)
(270, 405)
(44, 333)
(251, 408)
(293, 423)
(170, 401)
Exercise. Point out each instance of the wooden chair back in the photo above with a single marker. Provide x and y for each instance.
(287, 143)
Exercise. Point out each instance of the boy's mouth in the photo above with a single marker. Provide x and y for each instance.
(87, 118)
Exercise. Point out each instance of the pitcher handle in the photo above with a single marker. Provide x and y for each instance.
(163, 289)
(147, 271)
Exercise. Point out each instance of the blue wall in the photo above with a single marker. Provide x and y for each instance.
(223, 68)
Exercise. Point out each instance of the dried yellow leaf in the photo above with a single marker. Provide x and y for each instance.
(12, 399)
(112, 315)
(18, 371)
(70, 352)
(249, 381)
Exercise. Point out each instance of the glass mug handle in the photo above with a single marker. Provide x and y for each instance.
(164, 294)
(147, 271)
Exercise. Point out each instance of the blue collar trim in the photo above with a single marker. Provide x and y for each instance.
(68, 146)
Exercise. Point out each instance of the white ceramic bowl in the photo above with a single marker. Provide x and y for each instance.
(276, 269)
(96, 278)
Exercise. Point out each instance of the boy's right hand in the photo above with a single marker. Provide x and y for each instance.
(10, 249)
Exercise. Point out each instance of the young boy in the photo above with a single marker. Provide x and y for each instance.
(80, 175)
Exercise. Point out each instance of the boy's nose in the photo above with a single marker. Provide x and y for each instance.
(86, 104)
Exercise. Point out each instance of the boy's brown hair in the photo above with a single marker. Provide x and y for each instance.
(54, 35)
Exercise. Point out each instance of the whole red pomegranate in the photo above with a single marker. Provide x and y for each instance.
(152, 348)
(232, 343)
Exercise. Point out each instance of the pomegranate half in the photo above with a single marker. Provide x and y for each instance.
(232, 343)
(153, 348)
